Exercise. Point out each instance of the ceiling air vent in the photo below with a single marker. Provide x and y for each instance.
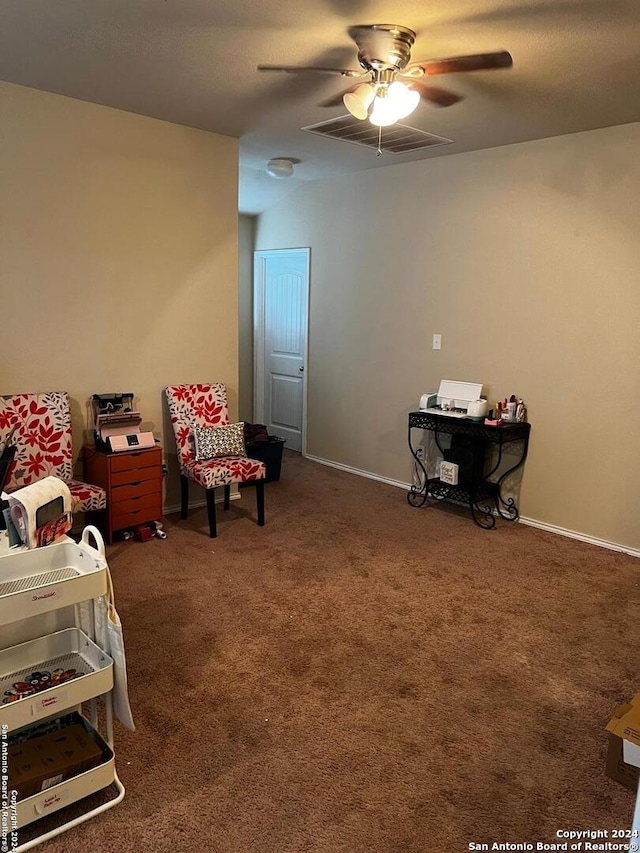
(397, 139)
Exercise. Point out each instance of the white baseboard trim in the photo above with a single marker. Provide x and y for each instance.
(573, 534)
(531, 522)
(358, 472)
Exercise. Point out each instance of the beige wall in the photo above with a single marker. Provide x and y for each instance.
(118, 254)
(526, 259)
(246, 239)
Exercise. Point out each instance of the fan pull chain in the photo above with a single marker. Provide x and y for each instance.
(379, 140)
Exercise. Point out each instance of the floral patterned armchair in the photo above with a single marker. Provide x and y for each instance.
(42, 438)
(206, 406)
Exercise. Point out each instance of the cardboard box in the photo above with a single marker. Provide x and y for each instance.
(48, 759)
(623, 756)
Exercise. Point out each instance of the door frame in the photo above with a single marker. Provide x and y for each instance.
(259, 277)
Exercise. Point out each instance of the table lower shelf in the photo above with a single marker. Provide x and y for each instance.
(484, 499)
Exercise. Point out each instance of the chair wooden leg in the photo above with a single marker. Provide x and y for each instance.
(184, 496)
(211, 512)
(260, 501)
(227, 496)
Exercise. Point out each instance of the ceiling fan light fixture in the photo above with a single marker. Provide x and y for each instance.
(404, 100)
(384, 52)
(280, 167)
(384, 112)
(393, 103)
(359, 101)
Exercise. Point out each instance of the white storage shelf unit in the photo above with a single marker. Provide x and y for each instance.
(34, 583)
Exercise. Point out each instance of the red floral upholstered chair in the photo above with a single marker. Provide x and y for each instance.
(199, 408)
(42, 438)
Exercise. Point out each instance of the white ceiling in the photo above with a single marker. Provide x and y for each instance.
(576, 67)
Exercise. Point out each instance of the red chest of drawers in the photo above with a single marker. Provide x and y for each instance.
(132, 480)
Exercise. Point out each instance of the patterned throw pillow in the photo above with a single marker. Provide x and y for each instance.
(213, 442)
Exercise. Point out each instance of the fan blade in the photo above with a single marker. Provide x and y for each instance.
(303, 69)
(434, 95)
(473, 62)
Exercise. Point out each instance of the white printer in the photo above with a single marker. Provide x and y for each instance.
(117, 426)
(452, 399)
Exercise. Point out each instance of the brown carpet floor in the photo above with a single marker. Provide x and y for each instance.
(360, 675)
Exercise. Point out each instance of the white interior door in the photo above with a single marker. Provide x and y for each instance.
(281, 310)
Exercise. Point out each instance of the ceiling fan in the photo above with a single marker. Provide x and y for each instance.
(389, 85)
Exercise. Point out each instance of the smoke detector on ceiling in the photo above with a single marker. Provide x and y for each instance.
(280, 167)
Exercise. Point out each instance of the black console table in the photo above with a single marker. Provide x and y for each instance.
(480, 490)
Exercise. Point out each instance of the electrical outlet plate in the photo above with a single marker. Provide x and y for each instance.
(437, 342)
(421, 452)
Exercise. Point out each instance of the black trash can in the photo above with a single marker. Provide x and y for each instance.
(269, 452)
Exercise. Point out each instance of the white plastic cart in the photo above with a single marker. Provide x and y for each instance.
(47, 596)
